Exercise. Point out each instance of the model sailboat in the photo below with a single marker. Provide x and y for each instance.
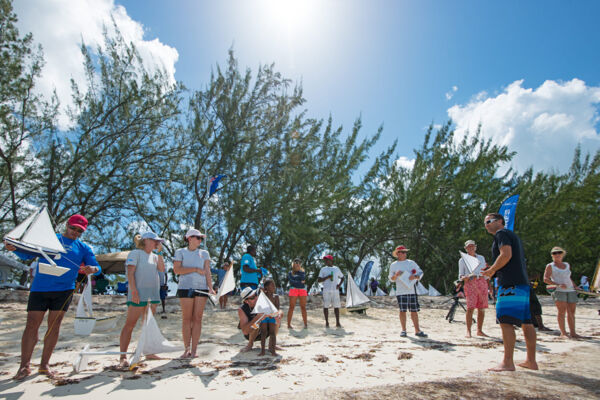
(151, 341)
(354, 297)
(472, 263)
(85, 322)
(36, 236)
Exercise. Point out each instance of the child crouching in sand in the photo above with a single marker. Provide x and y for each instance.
(270, 325)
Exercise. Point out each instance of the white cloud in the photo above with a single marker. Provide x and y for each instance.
(450, 94)
(60, 26)
(543, 125)
(405, 162)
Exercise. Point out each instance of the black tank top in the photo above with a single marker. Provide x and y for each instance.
(248, 311)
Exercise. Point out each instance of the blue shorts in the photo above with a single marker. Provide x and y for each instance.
(512, 306)
(268, 321)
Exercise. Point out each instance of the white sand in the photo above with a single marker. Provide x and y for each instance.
(366, 352)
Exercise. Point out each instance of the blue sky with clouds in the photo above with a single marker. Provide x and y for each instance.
(527, 71)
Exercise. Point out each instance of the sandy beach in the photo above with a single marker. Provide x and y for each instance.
(365, 359)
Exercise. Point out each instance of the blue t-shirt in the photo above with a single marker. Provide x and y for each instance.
(77, 253)
(248, 277)
(296, 279)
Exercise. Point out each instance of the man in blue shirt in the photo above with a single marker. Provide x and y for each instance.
(250, 273)
(53, 293)
(512, 304)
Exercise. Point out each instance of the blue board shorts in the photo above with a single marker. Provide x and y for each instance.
(512, 306)
(268, 320)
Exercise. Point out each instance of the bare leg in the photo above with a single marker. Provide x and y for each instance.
(303, 309)
(571, 320)
(415, 320)
(469, 321)
(291, 311)
(403, 320)
(530, 339)
(199, 304)
(326, 314)
(336, 311)
(480, 318)
(224, 297)
(133, 314)
(272, 339)
(562, 310)
(509, 338)
(263, 337)
(50, 340)
(251, 337)
(187, 315)
(28, 341)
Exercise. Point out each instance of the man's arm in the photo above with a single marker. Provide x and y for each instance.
(245, 324)
(501, 261)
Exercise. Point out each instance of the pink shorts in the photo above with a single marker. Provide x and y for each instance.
(298, 292)
(476, 291)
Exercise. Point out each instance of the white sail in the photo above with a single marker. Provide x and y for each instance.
(392, 292)
(433, 291)
(422, 290)
(405, 279)
(354, 297)
(151, 341)
(228, 283)
(84, 307)
(264, 305)
(471, 262)
(20, 229)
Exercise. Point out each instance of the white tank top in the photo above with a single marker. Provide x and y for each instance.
(562, 276)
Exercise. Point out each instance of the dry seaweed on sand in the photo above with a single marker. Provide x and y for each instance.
(321, 358)
(361, 356)
(236, 372)
(405, 356)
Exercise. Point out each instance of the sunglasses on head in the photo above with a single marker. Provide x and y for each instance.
(489, 221)
(556, 252)
(76, 229)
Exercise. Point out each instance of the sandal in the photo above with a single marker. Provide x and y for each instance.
(421, 334)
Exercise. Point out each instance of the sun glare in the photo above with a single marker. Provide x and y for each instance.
(288, 14)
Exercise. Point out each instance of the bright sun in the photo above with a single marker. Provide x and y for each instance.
(288, 14)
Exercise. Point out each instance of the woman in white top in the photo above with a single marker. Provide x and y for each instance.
(565, 297)
(142, 274)
(192, 264)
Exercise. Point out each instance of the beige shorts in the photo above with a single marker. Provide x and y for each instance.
(567, 297)
(331, 299)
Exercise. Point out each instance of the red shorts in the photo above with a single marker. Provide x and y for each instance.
(298, 292)
(476, 291)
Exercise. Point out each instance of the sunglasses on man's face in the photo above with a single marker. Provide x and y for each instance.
(556, 252)
(197, 237)
(76, 229)
(489, 221)
(252, 297)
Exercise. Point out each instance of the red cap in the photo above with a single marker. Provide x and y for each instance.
(328, 257)
(79, 221)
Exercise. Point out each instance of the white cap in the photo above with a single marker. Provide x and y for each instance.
(469, 242)
(194, 232)
(153, 236)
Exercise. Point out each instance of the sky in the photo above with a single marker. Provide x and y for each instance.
(527, 71)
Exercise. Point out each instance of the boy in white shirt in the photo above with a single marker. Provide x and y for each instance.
(331, 277)
(406, 273)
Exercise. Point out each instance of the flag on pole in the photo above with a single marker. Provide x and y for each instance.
(364, 278)
(213, 184)
(508, 210)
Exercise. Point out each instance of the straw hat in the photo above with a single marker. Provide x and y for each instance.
(399, 248)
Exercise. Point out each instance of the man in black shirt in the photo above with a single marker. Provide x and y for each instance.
(512, 306)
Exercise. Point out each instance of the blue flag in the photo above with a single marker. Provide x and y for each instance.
(213, 183)
(364, 278)
(508, 210)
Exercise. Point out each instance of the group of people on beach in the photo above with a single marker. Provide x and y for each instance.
(145, 269)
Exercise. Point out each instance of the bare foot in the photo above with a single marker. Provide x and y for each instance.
(246, 349)
(480, 333)
(338, 325)
(574, 336)
(327, 325)
(193, 355)
(279, 348)
(563, 336)
(22, 373)
(123, 363)
(274, 354)
(468, 335)
(186, 354)
(305, 326)
(47, 372)
(501, 367)
(290, 327)
(262, 352)
(528, 365)
(153, 357)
